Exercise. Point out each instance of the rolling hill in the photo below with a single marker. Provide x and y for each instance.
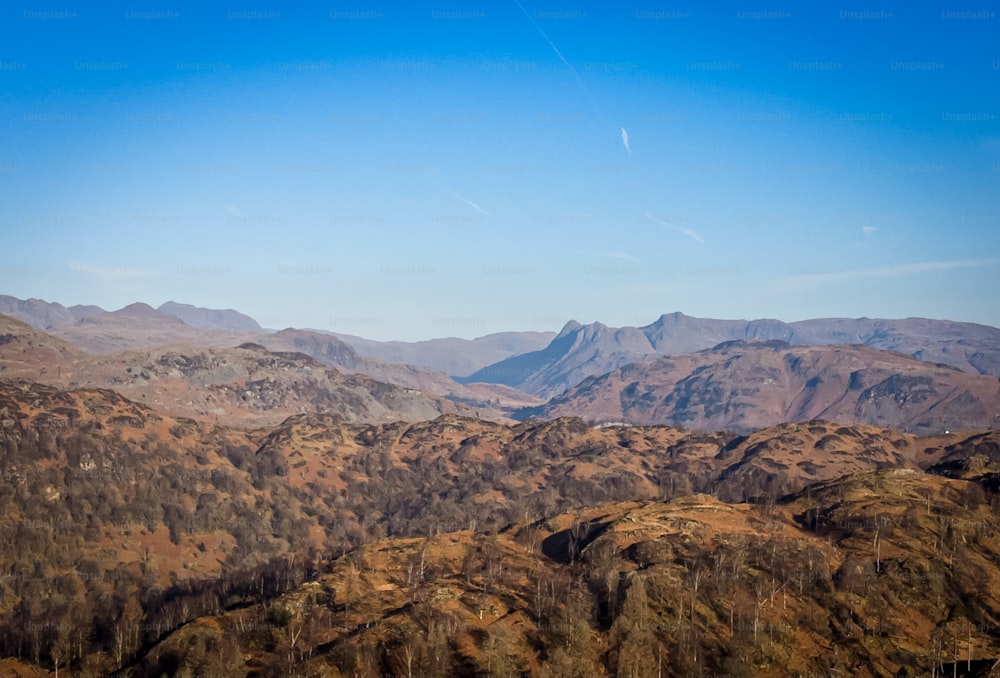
(875, 574)
(135, 541)
(209, 318)
(324, 374)
(247, 385)
(139, 326)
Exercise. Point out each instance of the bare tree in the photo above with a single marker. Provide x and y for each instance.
(409, 650)
(498, 652)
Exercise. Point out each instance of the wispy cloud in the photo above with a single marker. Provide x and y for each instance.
(551, 44)
(868, 230)
(625, 140)
(467, 202)
(233, 210)
(895, 271)
(579, 80)
(694, 235)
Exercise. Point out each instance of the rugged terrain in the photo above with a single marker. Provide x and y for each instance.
(139, 327)
(250, 384)
(581, 351)
(247, 384)
(183, 494)
(877, 574)
(744, 386)
(662, 373)
(127, 530)
(491, 400)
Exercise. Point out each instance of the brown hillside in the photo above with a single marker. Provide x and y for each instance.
(123, 524)
(745, 386)
(247, 385)
(206, 381)
(877, 574)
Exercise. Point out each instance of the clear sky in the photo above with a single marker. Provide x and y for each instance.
(411, 170)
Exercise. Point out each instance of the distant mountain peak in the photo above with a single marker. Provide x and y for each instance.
(569, 327)
(581, 351)
(210, 318)
(668, 318)
(36, 312)
(741, 385)
(137, 307)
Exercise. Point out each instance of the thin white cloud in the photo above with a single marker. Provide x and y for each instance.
(895, 271)
(625, 140)
(694, 235)
(579, 80)
(868, 230)
(468, 202)
(551, 44)
(233, 210)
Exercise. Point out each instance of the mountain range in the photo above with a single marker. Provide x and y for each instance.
(915, 374)
(185, 493)
(140, 326)
(451, 355)
(248, 383)
(581, 351)
(746, 385)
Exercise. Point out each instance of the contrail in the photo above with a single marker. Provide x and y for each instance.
(579, 80)
(552, 45)
(468, 202)
(686, 231)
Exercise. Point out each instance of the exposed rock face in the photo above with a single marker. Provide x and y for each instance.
(743, 386)
(580, 351)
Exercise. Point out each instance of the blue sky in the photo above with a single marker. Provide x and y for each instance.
(405, 172)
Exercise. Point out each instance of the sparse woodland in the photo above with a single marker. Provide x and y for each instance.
(136, 543)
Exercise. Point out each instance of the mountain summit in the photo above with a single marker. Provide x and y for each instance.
(581, 351)
(210, 318)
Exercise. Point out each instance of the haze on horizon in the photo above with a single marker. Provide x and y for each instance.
(402, 172)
